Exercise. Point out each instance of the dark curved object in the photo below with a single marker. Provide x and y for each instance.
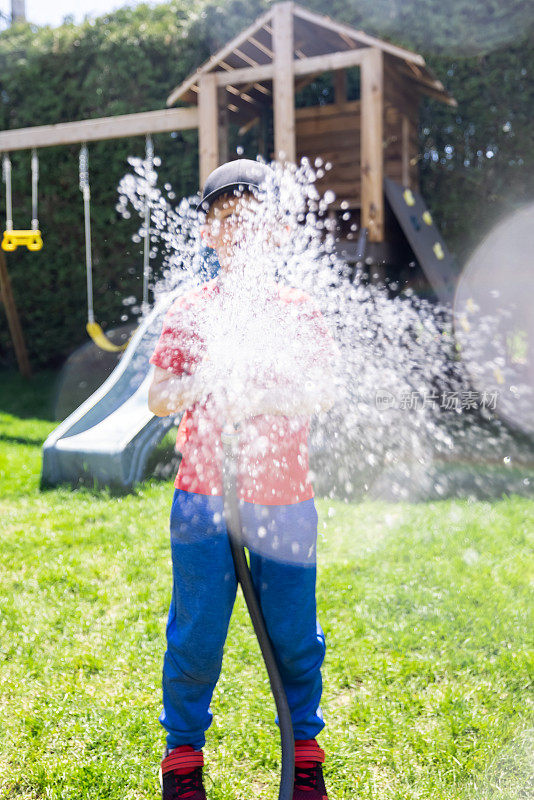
(230, 444)
(241, 173)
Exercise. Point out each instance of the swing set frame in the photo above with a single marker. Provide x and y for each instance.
(82, 132)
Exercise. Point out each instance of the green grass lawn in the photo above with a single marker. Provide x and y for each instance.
(427, 610)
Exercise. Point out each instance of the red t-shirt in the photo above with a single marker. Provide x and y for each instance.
(273, 468)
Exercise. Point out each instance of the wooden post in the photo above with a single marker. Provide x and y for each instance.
(222, 136)
(372, 151)
(13, 320)
(208, 119)
(283, 83)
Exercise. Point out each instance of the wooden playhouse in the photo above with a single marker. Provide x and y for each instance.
(371, 140)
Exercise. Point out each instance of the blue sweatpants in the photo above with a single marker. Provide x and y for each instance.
(282, 546)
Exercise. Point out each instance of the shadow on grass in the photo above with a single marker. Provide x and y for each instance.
(28, 398)
(4, 437)
(89, 487)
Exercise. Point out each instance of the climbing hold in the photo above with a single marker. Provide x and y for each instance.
(408, 197)
(438, 251)
(427, 217)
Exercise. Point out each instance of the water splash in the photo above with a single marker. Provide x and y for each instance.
(397, 384)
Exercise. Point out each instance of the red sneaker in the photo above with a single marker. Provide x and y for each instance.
(309, 781)
(180, 774)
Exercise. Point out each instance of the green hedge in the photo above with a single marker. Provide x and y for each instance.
(129, 61)
(122, 63)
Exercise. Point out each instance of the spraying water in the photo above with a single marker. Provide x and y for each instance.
(395, 399)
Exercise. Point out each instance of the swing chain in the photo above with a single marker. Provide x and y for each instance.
(35, 185)
(6, 174)
(149, 165)
(84, 172)
(93, 327)
(86, 193)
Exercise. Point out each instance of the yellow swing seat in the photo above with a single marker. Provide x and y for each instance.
(13, 239)
(100, 339)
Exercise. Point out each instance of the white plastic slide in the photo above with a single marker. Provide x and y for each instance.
(109, 438)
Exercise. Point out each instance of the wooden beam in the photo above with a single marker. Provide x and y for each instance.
(245, 75)
(218, 57)
(356, 35)
(247, 59)
(263, 47)
(222, 134)
(372, 134)
(404, 81)
(347, 39)
(427, 85)
(260, 88)
(436, 95)
(208, 119)
(264, 90)
(283, 83)
(419, 75)
(330, 61)
(92, 130)
(241, 93)
(301, 66)
(13, 321)
(238, 106)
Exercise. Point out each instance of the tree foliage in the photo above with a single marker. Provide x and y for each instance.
(476, 161)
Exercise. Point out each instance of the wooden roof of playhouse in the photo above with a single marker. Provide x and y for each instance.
(365, 140)
(313, 36)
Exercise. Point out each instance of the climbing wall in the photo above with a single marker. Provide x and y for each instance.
(425, 240)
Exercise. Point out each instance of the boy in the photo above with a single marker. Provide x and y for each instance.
(277, 510)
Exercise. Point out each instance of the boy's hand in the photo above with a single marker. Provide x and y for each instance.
(170, 394)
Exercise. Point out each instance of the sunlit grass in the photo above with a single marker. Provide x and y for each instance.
(427, 610)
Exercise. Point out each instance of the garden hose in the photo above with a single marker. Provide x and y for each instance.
(230, 445)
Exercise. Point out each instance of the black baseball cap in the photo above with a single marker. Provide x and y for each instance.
(242, 174)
